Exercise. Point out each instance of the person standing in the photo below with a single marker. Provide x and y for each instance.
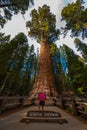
(42, 98)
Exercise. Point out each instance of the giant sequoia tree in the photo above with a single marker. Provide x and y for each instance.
(43, 28)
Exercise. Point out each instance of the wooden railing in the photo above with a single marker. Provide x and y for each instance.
(8, 103)
(76, 106)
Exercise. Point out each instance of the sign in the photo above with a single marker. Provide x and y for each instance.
(43, 114)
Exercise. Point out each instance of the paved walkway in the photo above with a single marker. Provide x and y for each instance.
(12, 122)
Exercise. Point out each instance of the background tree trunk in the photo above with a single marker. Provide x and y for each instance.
(45, 79)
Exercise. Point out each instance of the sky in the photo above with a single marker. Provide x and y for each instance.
(18, 22)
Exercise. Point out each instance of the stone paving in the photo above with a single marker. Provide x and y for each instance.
(12, 121)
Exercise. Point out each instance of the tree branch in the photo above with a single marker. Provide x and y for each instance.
(6, 5)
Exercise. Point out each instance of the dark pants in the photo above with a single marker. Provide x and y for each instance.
(42, 103)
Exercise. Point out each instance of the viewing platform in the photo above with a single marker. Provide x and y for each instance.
(14, 120)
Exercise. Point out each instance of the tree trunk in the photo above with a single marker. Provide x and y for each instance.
(45, 79)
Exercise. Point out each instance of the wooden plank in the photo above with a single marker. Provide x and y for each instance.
(43, 120)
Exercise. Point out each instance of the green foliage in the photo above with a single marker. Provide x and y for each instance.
(57, 68)
(76, 70)
(10, 7)
(43, 24)
(82, 47)
(75, 16)
(80, 91)
(4, 39)
(18, 64)
(75, 78)
(53, 49)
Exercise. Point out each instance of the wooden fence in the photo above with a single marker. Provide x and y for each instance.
(8, 103)
(76, 106)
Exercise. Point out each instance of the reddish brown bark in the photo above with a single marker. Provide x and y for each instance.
(45, 79)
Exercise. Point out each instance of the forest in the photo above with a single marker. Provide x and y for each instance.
(19, 61)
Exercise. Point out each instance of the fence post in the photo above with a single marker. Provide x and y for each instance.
(1, 102)
(62, 103)
(21, 101)
(74, 111)
(2, 106)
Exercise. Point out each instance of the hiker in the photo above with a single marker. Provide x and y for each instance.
(42, 98)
